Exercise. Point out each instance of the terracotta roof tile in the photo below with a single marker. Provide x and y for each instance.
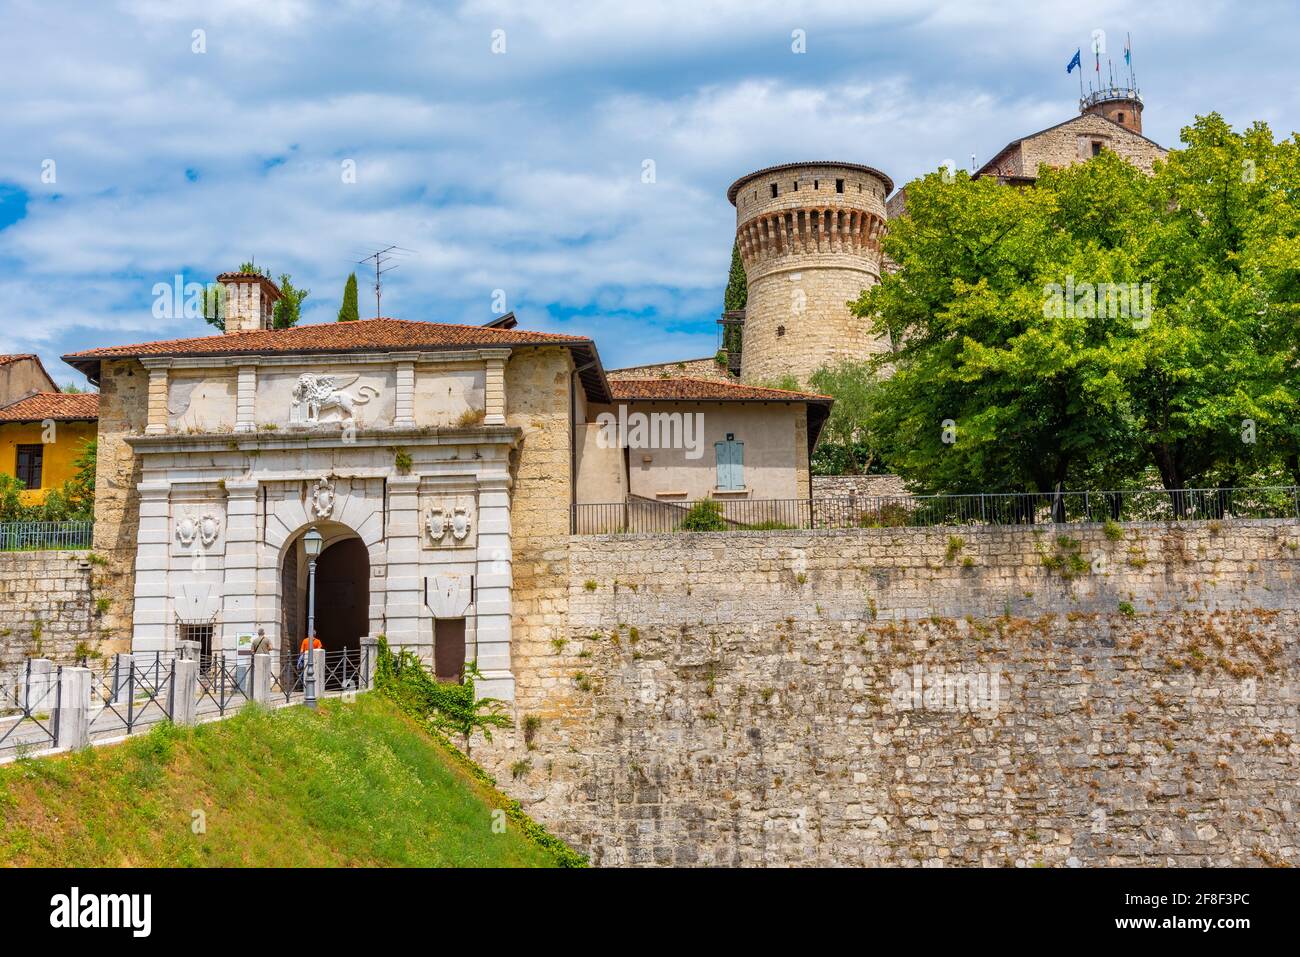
(61, 406)
(362, 335)
(706, 390)
(5, 360)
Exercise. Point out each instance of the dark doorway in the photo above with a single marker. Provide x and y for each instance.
(293, 628)
(449, 649)
(343, 595)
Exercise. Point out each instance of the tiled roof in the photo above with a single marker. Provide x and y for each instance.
(364, 335)
(706, 390)
(62, 406)
(5, 360)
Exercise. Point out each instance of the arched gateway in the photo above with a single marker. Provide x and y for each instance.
(240, 454)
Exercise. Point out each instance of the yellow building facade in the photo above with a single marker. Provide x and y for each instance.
(41, 438)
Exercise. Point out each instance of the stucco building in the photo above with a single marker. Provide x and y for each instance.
(42, 431)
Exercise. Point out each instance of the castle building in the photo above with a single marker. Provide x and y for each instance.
(1109, 119)
(809, 236)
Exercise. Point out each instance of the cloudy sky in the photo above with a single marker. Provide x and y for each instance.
(133, 149)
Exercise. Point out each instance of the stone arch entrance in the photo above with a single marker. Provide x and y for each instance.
(343, 596)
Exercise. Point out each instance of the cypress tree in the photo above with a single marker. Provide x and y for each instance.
(348, 311)
(737, 293)
(735, 297)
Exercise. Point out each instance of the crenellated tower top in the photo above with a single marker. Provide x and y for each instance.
(809, 236)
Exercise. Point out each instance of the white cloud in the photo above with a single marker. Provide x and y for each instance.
(520, 171)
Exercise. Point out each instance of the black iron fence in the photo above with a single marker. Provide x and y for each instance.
(637, 515)
(29, 709)
(225, 683)
(129, 693)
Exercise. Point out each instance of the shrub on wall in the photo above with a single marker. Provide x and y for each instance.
(447, 708)
(704, 517)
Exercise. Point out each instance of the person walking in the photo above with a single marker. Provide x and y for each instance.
(302, 651)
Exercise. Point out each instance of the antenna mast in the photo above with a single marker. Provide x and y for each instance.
(384, 262)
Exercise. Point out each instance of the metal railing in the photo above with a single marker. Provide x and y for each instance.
(343, 670)
(286, 679)
(225, 683)
(29, 708)
(635, 516)
(32, 536)
(127, 694)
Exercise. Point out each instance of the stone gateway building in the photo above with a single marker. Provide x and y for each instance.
(438, 461)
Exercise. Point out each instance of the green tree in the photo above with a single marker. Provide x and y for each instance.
(737, 294)
(735, 298)
(847, 446)
(288, 310)
(79, 491)
(11, 505)
(1015, 371)
(348, 311)
(214, 305)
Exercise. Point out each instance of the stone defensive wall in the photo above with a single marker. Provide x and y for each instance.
(995, 696)
(47, 609)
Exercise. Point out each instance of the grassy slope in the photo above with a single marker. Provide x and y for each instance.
(357, 784)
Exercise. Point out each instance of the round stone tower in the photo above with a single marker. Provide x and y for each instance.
(809, 236)
(1122, 105)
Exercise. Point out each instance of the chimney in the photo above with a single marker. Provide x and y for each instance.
(250, 300)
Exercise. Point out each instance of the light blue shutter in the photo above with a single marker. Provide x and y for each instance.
(731, 464)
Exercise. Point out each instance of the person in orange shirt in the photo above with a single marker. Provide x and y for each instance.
(302, 651)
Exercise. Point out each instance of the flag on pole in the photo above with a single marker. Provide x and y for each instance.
(1128, 52)
(1075, 61)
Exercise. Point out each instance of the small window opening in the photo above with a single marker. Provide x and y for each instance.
(839, 186)
(202, 633)
(1096, 147)
(780, 331)
(774, 190)
(30, 461)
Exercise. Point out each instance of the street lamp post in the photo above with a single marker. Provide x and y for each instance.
(311, 543)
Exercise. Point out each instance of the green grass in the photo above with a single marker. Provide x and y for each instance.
(349, 785)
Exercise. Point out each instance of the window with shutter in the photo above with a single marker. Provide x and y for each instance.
(731, 464)
(30, 460)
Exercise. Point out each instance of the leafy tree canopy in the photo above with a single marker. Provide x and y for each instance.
(1100, 325)
(288, 310)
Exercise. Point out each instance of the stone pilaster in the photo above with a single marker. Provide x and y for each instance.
(494, 584)
(495, 387)
(404, 414)
(404, 594)
(153, 538)
(157, 398)
(239, 606)
(245, 398)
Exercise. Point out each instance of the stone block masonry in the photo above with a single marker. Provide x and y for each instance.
(46, 606)
(919, 697)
